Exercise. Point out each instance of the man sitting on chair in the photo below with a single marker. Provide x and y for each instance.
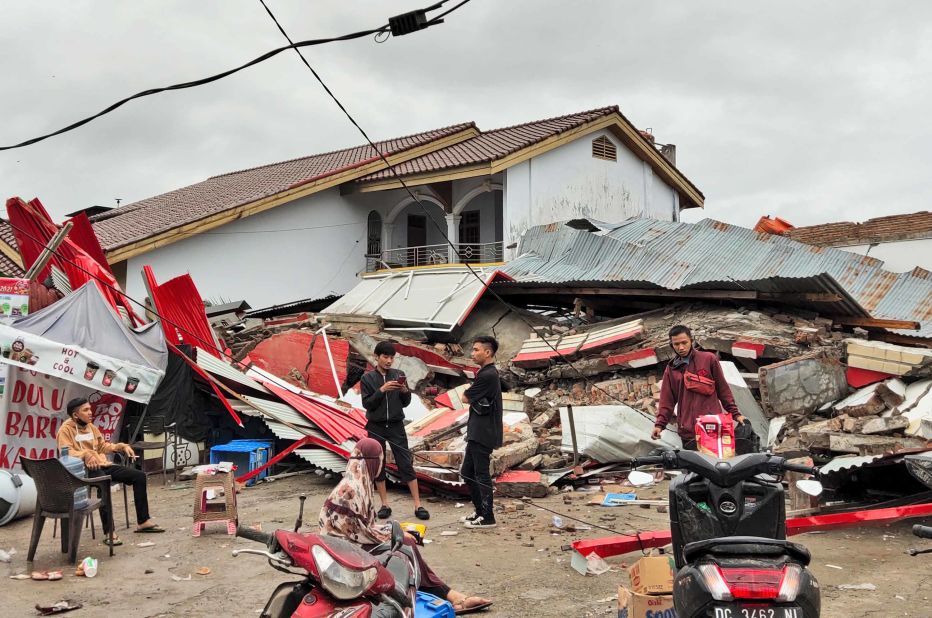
(83, 440)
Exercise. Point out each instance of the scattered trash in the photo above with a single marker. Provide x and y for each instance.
(7, 556)
(89, 565)
(148, 572)
(181, 579)
(449, 533)
(832, 566)
(57, 608)
(20, 576)
(203, 571)
(595, 565)
(458, 505)
(558, 522)
(868, 587)
(146, 544)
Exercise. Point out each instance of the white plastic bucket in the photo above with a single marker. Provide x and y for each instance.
(17, 496)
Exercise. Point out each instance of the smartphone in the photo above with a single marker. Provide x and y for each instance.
(403, 380)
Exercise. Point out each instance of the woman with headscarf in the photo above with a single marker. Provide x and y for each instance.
(349, 513)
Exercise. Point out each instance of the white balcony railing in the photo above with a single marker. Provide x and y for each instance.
(428, 255)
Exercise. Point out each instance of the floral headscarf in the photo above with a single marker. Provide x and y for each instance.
(349, 511)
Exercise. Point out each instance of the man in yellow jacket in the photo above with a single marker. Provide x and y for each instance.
(84, 441)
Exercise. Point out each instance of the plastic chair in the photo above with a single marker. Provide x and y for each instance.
(55, 487)
(156, 425)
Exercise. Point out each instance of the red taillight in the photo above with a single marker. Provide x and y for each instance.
(753, 583)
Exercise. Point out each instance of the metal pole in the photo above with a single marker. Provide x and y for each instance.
(569, 413)
(49, 251)
(333, 367)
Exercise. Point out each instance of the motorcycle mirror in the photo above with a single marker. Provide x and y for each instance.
(810, 487)
(640, 479)
(398, 536)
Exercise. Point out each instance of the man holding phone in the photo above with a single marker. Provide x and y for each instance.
(385, 395)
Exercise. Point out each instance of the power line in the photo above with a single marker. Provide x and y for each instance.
(390, 27)
(414, 197)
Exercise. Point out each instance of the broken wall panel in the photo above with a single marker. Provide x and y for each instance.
(613, 433)
(802, 384)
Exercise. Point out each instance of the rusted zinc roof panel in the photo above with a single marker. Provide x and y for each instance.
(646, 253)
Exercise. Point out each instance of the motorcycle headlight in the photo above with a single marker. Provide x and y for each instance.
(341, 582)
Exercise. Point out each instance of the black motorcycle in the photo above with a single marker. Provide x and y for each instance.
(728, 525)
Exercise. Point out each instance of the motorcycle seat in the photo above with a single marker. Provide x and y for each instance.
(746, 546)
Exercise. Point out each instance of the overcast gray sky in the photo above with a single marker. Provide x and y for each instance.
(812, 111)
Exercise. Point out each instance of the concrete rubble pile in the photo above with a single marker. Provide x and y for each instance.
(789, 371)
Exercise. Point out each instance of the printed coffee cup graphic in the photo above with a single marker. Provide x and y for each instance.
(131, 384)
(109, 374)
(33, 359)
(18, 346)
(91, 370)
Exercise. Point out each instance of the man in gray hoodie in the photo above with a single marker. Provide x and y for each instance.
(385, 395)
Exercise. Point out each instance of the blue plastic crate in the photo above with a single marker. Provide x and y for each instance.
(429, 606)
(246, 455)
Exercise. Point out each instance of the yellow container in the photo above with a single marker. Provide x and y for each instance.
(420, 529)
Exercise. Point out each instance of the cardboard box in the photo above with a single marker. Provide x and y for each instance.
(634, 605)
(652, 575)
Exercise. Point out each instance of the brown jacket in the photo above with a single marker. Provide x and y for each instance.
(82, 442)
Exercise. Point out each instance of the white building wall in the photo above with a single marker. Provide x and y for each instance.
(309, 248)
(900, 256)
(568, 182)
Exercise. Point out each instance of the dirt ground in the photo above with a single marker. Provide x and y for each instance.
(521, 565)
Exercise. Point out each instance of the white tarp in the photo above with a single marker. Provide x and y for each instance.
(613, 433)
(82, 340)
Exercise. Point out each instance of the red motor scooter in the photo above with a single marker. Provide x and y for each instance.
(338, 578)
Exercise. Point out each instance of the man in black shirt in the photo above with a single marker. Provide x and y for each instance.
(385, 394)
(483, 432)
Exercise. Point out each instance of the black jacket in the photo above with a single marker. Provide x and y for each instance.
(485, 409)
(383, 407)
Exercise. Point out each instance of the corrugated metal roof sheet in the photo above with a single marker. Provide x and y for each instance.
(322, 459)
(438, 299)
(646, 253)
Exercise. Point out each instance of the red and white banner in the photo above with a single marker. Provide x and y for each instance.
(33, 409)
(70, 362)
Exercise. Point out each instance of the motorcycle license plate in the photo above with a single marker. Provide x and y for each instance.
(750, 611)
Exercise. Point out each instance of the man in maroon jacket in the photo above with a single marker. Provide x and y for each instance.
(693, 382)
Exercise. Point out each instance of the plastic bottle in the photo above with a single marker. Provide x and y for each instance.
(76, 467)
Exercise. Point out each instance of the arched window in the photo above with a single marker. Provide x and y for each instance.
(374, 237)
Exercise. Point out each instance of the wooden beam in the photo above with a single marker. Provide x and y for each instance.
(811, 297)
(876, 323)
(513, 290)
(12, 254)
(902, 340)
(298, 191)
(470, 171)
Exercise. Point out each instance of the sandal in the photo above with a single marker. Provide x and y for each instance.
(116, 542)
(55, 575)
(471, 605)
(421, 513)
(153, 529)
(384, 513)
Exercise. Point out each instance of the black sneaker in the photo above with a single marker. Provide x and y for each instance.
(481, 523)
(469, 518)
(385, 512)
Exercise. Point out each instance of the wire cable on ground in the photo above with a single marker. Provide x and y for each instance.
(210, 345)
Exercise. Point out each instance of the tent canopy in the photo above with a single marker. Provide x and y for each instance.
(85, 318)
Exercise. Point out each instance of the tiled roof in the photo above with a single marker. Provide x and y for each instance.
(154, 215)
(882, 229)
(493, 145)
(8, 266)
